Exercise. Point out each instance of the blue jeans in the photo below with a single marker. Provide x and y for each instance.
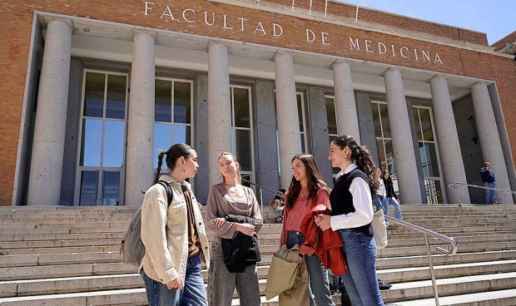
(192, 294)
(319, 282)
(361, 283)
(490, 193)
(389, 201)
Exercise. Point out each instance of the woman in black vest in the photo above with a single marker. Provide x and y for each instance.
(352, 214)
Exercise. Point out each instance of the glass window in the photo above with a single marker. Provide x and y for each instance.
(166, 135)
(94, 94)
(242, 134)
(302, 120)
(113, 154)
(91, 142)
(376, 119)
(111, 188)
(89, 187)
(428, 154)
(163, 105)
(182, 102)
(300, 108)
(384, 119)
(102, 151)
(331, 117)
(384, 140)
(428, 157)
(241, 107)
(243, 149)
(415, 117)
(116, 91)
(426, 125)
(173, 101)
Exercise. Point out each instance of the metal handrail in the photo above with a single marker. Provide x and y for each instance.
(454, 185)
(452, 243)
(452, 250)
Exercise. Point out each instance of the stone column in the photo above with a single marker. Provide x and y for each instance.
(219, 108)
(449, 146)
(49, 132)
(345, 104)
(140, 123)
(402, 140)
(288, 121)
(490, 139)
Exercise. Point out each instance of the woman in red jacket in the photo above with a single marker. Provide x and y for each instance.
(307, 190)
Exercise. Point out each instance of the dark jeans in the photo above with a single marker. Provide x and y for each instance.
(192, 294)
(361, 282)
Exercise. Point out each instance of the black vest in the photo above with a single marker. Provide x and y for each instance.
(341, 198)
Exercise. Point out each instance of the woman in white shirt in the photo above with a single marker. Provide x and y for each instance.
(352, 214)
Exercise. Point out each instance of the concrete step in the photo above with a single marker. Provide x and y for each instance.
(463, 248)
(63, 270)
(453, 291)
(10, 236)
(399, 275)
(487, 298)
(125, 281)
(394, 251)
(394, 241)
(127, 297)
(61, 250)
(450, 286)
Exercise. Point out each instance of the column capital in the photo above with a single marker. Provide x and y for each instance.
(216, 44)
(138, 32)
(438, 77)
(480, 83)
(65, 21)
(340, 62)
(282, 53)
(392, 70)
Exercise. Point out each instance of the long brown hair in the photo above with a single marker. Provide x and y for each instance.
(315, 180)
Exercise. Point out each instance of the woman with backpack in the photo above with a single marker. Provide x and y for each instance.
(352, 214)
(173, 234)
(233, 213)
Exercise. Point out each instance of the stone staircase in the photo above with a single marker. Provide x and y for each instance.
(69, 256)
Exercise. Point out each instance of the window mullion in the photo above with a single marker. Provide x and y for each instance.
(172, 101)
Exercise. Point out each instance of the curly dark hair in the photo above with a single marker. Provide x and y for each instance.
(360, 156)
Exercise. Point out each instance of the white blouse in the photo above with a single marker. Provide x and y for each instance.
(362, 201)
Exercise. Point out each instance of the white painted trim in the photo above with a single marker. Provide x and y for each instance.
(24, 116)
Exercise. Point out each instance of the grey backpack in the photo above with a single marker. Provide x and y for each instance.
(132, 248)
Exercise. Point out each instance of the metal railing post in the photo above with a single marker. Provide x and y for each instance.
(431, 266)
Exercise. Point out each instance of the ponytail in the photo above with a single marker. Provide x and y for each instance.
(172, 155)
(160, 162)
(360, 156)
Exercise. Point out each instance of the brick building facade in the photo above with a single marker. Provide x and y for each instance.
(243, 76)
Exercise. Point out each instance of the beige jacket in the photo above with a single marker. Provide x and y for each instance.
(164, 233)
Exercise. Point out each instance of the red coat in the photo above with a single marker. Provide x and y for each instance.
(327, 245)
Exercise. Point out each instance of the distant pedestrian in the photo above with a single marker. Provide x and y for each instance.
(489, 180)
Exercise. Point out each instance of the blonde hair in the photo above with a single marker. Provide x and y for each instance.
(228, 154)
